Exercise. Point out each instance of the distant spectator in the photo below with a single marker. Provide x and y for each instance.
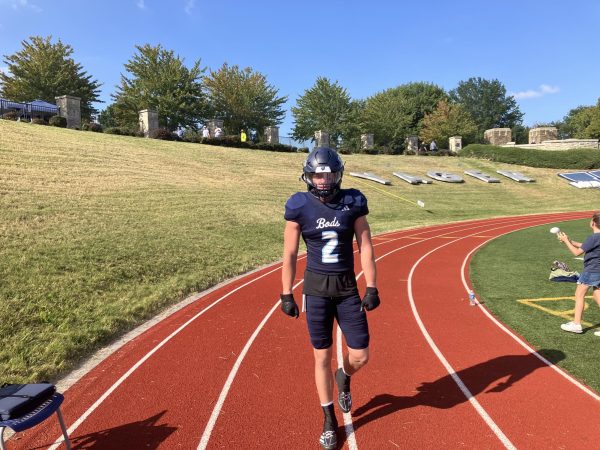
(205, 132)
(180, 132)
(243, 137)
(218, 133)
(423, 147)
(433, 146)
(253, 136)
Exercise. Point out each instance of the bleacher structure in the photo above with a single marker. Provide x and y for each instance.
(583, 180)
(31, 110)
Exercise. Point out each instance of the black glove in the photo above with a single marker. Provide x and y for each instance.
(288, 305)
(371, 299)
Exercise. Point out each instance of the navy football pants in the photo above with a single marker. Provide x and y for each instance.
(320, 312)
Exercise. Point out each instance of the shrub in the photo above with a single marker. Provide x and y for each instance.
(303, 150)
(191, 136)
(58, 121)
(444, 152)
(113, 130)
(92, 126)
(38, 121)
(11, 115)
(163, 134)
(584, 159)
(95, 127)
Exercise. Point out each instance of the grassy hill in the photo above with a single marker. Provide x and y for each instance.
(100, 232)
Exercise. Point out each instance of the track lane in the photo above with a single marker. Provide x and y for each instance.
(530, 401)
(290, 397)
(166, 423)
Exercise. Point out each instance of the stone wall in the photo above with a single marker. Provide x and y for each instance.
(70, 109)
(148, 121)
(322, 138)
(272, 135)
(366, 141)
(541, 134)
(497, 136)
(213, 124)
(412, 144)
(560, 144)
(455, 144)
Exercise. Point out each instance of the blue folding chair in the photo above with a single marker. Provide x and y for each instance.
(38, 415)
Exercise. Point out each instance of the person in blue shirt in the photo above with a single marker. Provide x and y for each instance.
(328, 218)
(590, 277)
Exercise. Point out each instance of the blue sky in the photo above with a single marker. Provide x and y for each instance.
(546, 53)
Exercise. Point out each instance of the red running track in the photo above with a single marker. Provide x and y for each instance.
(231, 371)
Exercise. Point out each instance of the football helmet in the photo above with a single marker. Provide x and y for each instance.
(322, 172)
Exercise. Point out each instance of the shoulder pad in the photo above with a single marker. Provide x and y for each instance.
(297, 200)
(356, 197)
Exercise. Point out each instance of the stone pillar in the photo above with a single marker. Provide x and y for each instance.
(366, 141)
(213, 124)
(412, 144)
(455, 144)
(148, 120)
(497, 136)
(541, 134)
(272, 135)
(322, 138)
(70, 109)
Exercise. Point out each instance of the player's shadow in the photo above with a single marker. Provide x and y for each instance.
(595, 327)
(146, 434)
(444, 392)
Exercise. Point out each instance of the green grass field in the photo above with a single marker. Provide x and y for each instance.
(511, 268)
(100, 232)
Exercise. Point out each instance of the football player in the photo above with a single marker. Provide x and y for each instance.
(328, 218)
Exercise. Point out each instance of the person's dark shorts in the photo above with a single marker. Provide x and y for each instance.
(590, 279)
(321, 312)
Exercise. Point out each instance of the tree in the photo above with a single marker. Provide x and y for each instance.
(488, 104)
(576, 122)
(159, 80)
(107, 117)
(520, 134)
(396, 113)
(43, 70)
(243, 99)
(325, 106)
(448, 120)
(351, 127)
(592, 131)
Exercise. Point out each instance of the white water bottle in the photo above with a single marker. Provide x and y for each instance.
(472, 301)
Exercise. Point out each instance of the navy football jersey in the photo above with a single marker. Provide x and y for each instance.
(327, 228)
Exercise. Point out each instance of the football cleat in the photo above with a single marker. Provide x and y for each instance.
(328, 440)
(344, 396)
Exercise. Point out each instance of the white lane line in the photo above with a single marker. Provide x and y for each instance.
(521, 342)
(223, 395)
(469, 396)
(126, 375)
(476, 405)
(224, 392)
(348, 425)
(101, 399)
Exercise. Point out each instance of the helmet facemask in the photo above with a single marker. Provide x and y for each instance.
(322, 172)
(323, 182)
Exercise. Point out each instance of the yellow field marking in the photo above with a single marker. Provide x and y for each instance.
(385, 192)
(533, 302)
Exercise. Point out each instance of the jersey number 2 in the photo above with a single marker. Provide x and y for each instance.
(328, 255)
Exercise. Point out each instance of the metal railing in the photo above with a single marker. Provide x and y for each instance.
(27, 110)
